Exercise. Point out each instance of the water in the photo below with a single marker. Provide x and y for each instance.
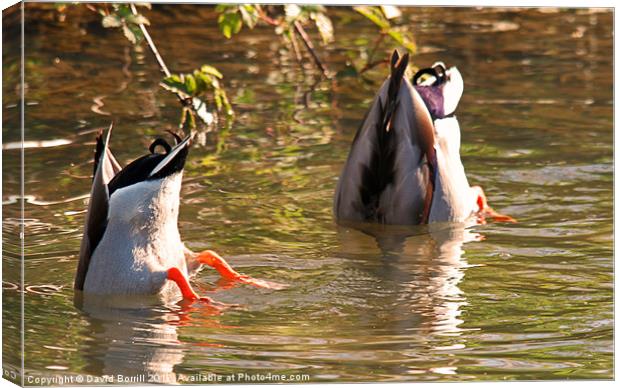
(531, 300)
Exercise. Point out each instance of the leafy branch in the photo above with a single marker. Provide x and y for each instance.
(200, 93)
(290, 21)
(193, 87)
(381, 16)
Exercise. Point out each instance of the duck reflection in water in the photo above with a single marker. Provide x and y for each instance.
(403, 189)
(421, 266)
(404, 168)
(135, 336)
(412, 296)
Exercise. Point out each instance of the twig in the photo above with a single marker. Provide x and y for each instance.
(375, 47)
(369, 65)
(296, 49)
(306, 39)
(266, 17)
(147, 36)
(162, 65)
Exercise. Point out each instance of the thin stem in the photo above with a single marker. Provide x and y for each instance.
(370, 65)
(266, 18)
(375, 47)
(162, 65)
(296, 49)
(147, 36)
(306, 39)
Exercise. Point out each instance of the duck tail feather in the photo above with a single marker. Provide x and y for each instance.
(98, 151)
(105, 168)
(398, 65)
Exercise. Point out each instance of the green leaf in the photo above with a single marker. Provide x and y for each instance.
(137, 32)
(190, 84)
(174, 78)
(373, 14)
(123, 10)
(249, 14)
(225, 103)
(138, 19)
(230, 23)
(202, 83)
(211, 71)
(218, 101)
(175, 84)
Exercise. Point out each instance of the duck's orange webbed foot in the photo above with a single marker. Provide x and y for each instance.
(188, 293)
(214, 260)
(487, 211)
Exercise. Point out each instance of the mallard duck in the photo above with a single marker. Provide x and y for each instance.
(131, 243)
(404, 166)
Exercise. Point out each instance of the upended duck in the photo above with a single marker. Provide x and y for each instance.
(404, 166)
(131, 243)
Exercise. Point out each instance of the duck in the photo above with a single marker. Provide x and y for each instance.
(131, 244)
(404, 165)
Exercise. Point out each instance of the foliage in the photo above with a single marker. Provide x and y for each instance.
(195, 90)
(197, 87)
(232, 18)
(122, 17)
(381, 16)
(290, 19)
(201, 93)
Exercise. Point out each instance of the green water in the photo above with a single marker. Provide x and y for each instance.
(532, 300)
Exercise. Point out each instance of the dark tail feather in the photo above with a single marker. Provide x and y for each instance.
(386, 139)
(398, 65)
(177, 138)
(98, 151)
(380, 170)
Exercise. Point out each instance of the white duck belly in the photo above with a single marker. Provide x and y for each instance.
(453, 200)
(141, 241)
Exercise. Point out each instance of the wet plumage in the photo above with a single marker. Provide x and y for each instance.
(404, 165)
(131, 243)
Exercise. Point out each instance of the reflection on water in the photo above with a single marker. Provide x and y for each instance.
(118, 322)
(424, 268)
(425, 264)
(524, 301)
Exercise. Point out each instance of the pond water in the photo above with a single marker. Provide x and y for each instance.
(532, 300)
